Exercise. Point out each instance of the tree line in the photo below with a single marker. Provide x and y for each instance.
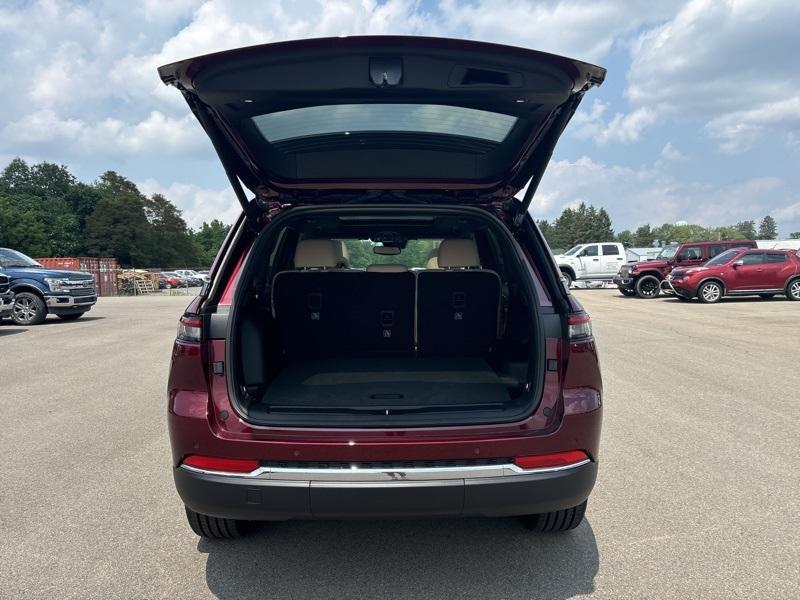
(589, 224)
(46, 212)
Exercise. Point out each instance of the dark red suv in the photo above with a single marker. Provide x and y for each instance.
(385, 332)
(740, 273)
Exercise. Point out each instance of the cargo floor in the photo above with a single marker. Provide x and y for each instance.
(383, 385)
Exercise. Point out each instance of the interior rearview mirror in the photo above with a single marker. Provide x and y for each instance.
(386, 250)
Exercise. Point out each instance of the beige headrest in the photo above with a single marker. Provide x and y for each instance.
(387, 268)
(344, 254)
(317, 254)
(458, 254)
(433, 263)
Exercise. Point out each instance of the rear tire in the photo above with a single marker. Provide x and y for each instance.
(214, 528)
(710, 292)
(627, 292)
(557, 520)
(793, 289)
(567, 278)
(648, 286)
(71, 316)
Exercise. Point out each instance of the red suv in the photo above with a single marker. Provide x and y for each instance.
(740, 273)
(385, 332)
(644, 279)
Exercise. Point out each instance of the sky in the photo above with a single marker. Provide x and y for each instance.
(698, 119)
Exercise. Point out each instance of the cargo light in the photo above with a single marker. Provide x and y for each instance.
(580, 327)
(189, 329)
(556, 459)
(226, 465)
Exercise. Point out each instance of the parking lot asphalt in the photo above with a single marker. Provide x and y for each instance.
(697, 495)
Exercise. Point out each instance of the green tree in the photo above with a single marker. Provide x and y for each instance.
(547, 231)
(171, 239)
(38, 192)
(118, 226)
(747, 229)
(795, 235)
(21, 230)
(208, 240)
(644, 237)
(767, 229)
(625, 237)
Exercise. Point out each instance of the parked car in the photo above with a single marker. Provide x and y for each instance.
(6, 297)
(40, 291)
(300, 388)
(168, 280)
(739, 273)
(643, 279)
(586, 262)
(193, 277)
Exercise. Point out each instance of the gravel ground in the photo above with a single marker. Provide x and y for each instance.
(696, 495)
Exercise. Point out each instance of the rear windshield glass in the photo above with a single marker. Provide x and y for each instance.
(415, 255)
(346, 119)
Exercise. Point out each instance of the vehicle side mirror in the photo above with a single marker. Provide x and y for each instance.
(738, 263)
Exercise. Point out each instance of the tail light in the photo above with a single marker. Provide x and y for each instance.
(225, 465)
(556, 459)
(580, 327)
(189, 329)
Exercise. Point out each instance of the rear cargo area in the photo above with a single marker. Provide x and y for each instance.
(384, 386)
(394, 323)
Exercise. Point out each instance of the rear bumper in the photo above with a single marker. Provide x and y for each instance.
(271, 497)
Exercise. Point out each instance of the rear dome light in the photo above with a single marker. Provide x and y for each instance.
(556, 459)
(580, 327)
(189, 329)
(228, 465)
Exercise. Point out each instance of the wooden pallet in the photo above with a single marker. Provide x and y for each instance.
(144, 286)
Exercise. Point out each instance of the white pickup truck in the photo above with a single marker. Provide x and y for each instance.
(596, 260)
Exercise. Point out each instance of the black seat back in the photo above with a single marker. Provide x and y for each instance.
(458, 304)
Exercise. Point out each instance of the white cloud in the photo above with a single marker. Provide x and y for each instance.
(621, 127)
(198, 204)
(670, 152)
(582, 30)
(156, 134)
(723, 62)
(634, 196)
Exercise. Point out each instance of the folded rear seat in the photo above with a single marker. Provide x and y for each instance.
(458, 304)
(325, 311)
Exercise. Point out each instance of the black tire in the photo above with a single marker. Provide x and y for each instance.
(557, 520)
(29, 309)
(766, 296)
(710, 292)
(627, 292)
(71, 316)
(215, 528)
(567, 278)
(648, 286)
(793, 289)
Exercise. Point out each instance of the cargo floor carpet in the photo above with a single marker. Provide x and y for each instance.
(379, 384)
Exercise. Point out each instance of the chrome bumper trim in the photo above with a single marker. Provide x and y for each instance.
(385, 475)
(53, 301)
